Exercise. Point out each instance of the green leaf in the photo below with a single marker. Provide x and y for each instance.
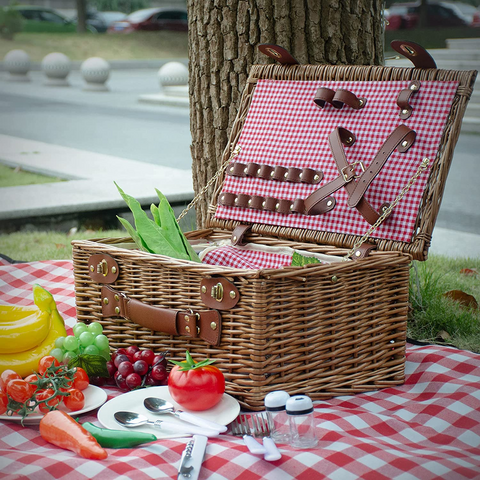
(94, 365)
(155, 214)
(190, 364)
(299, 260)
(132, 232)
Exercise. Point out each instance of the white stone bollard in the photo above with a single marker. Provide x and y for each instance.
(56, 67)
(95, 71)
(17, 64)
(173, 79)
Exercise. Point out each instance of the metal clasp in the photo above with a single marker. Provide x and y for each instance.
(217, 292)
(352, 166)
(102, 268)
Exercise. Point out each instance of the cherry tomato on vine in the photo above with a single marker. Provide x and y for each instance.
(6, 376)
(74, 401)
(32, 378)
(45, 362)
(3, 402)
(80, 380)
(19, 390)
(196, 386)
(43, 395)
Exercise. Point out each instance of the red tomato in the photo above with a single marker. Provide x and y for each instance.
(80, 380)
(3, 402)
(19, 390)
(45, 362)
(32, 378)
(43, 395)
(74, 401)
(197, 389)
(6, 376)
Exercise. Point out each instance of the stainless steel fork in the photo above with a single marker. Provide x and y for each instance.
(240, 427)
(262, 429)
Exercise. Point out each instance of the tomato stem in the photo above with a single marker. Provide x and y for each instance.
(190, 364)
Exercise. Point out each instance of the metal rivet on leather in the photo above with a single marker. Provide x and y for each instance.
(285, 174)
(300, 176)
(187, 329)
(245, 170)
(117, 310)
(198, 329)
(116, 297)
(250, 202)
(187, 318)
(272, 173)
(263, 204)
(114, 269)
(404, 111)
(334, 279)
(204, 288)
(92, 268)
(232, 294)
(258, 171)
(277, 206)
(316, 178)
(358, 253)
(236, 200)
(232, 168)
(234, 240)
(404, 143)
(349, 139)
(413, 87)
(213, 326)
(105, 301)
(329, 203)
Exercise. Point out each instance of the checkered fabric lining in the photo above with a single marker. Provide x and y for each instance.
(284, 127)
(235, 258)
(426, 429)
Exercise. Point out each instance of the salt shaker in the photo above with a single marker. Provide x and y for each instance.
(275, 404)
(300, 416)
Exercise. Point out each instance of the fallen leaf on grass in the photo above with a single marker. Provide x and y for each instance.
(461, 297)
(443, 336)
(469, 271)
(60, 245)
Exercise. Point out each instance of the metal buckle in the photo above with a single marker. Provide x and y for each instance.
(352, 166)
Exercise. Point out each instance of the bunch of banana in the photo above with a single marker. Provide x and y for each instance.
(28, 333)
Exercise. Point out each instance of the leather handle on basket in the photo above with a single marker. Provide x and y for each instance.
(415, 53)
(278, 53)
(204, 324)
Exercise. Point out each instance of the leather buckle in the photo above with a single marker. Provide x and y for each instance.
(348, 177)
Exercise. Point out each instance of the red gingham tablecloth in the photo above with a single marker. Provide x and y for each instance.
(429, 428)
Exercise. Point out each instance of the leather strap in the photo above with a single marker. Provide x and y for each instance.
(238, 234)
(403, 100)
(324, 95)
(415, 53)
(402, 138)
(345, 97)
(278, 53)
(204, 324)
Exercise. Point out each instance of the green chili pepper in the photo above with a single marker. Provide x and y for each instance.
(118, 438)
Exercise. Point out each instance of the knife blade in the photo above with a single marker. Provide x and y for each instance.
(192, 458)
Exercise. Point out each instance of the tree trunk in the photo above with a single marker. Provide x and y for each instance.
(223, 40)
(81, 15)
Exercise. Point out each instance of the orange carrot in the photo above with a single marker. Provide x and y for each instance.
(63, 431)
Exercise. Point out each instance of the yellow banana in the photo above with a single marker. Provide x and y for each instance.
(26, 362)
(19, 334)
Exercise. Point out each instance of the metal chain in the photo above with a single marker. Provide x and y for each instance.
(423, 165)
(201, 193)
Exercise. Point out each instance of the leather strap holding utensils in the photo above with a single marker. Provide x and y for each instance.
(204, 324)
(338, 98)
(403, 100)
(402, 138)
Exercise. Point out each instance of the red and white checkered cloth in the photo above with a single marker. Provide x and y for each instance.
(284, 127)
(428, 428)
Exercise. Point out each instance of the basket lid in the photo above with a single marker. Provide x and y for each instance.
(317, 153)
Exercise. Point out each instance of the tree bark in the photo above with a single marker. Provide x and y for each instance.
(223, 40)
(81, 16)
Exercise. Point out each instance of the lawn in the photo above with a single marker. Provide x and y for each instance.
(13, 177)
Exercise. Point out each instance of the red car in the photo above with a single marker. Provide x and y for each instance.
(152, 19)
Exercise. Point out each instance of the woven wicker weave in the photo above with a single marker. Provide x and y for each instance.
(320, 330)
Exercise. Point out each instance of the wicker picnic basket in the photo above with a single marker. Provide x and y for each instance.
(322, 329)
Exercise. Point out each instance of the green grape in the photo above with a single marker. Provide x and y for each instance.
(69, 356)
(86, 339)
(95, 328)
(101, 342)
(59, 342)
(91, 350)
(79, 328)
(57, 353)
(70, 343)
(105, 354)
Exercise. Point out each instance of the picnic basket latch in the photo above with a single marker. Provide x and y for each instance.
(219, 293)
(103, 268)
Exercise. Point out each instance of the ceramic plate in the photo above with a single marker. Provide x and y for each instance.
(224, 412)
(94, 398)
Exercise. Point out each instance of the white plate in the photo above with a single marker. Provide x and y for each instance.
(224, 412)
(94, 398)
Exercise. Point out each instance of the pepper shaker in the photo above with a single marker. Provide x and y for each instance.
(300, 416)
(275, 405)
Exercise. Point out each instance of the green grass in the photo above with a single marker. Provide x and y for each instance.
(77, 46)
(14, 177)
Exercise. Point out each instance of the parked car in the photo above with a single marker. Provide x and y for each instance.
(469, 13)
(41, 19)
(439, 14)
(152, 19)
(100, 21)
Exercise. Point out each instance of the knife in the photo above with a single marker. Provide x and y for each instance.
(192, 458)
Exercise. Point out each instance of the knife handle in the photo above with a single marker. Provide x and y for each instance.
(188, 429)
(272, 452)
(253, 446)
(201, 422)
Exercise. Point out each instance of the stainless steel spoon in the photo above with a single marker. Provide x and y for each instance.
(159, 405)
(131, 419)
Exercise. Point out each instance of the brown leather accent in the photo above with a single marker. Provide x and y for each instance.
(363, 251)
(242, 200)
(227, 199)
(345, 97)
(279, 173)
(239, 233)
(415, 53)
(165, 320)
(237, 169)
(403, 138)
(264, 172)
(403, 100)
(323, 206)
(322, 96)
(278, 53)
(219, 293)
(103, 268)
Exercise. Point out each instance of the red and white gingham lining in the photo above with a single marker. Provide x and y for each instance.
(284, 127)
